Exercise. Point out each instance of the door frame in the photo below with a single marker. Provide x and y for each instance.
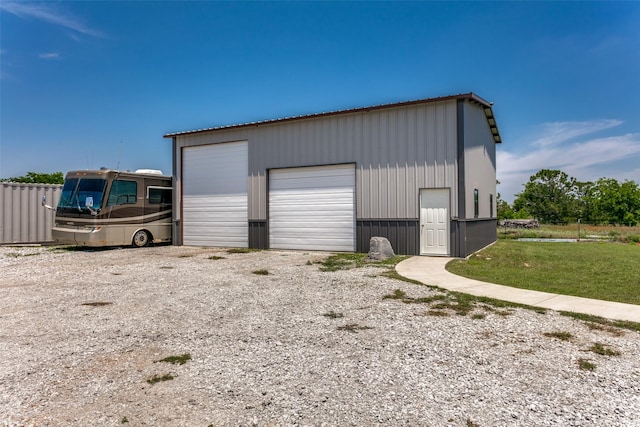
(441, 194)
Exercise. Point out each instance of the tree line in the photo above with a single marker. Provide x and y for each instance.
(37, 178)
(553, 197)
(550, 196)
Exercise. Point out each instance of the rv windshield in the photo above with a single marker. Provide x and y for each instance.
(82, 193)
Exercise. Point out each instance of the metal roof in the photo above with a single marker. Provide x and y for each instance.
(487, 106)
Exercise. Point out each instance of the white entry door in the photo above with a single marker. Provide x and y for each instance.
(434, 221)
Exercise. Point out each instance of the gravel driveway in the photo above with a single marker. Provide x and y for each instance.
(83, 333)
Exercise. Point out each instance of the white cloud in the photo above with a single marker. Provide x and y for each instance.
(576, 155)
(49, 55)
(557, 147)
(555, 132)
(48, 14)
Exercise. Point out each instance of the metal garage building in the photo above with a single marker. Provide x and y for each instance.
(421, 173)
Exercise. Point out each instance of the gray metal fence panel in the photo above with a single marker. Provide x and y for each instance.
(23, 219)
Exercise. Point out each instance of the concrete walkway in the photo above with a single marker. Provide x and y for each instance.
(431, 271)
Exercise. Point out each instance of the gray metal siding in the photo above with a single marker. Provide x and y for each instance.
(22, 217)
(396, 151)
(461, 211)
(176, 228)
(258, 235)
(469, 236)
(403, 234)
(480, 161)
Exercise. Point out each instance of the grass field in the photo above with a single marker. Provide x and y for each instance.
(601, 270)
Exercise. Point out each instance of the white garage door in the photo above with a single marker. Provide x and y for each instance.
(214, 195)
(312, 208)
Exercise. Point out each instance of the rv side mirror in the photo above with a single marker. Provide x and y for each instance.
(44, 203)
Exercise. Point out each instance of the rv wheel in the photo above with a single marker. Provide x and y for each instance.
(141, 239)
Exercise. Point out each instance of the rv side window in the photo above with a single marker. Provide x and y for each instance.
(123, 193)
(159, 195)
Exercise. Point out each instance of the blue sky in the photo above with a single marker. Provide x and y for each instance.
(91, 84)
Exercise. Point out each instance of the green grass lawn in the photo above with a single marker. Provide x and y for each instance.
(606, 271)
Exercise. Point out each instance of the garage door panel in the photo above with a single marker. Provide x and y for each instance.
(332, 198)
(216, 204)
(312, 208)
(319, 245)
(214, 210)
(314, 222)
(310, 193)
(237, 201)
(313, 177)
(288, 201)
(321, 237)
(315, 211)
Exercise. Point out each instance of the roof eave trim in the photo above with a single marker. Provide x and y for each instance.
(470, 96)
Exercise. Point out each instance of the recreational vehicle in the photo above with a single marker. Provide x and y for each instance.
(112, 208)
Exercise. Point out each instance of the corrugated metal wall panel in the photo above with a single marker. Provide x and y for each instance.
(23, 218)
(402, 234)
(396, 152)
(480, 162)
(258, 236)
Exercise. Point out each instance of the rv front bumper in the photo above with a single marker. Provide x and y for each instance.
(89, 236)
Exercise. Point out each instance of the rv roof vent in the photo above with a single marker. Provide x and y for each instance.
(149, 171)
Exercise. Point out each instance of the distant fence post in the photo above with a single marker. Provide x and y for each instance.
(578, 229)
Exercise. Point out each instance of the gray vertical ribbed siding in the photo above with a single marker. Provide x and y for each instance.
(23, 219)
(413, 148)
(397, 151)
(480, 161)
(176, 228)
(469, 236)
